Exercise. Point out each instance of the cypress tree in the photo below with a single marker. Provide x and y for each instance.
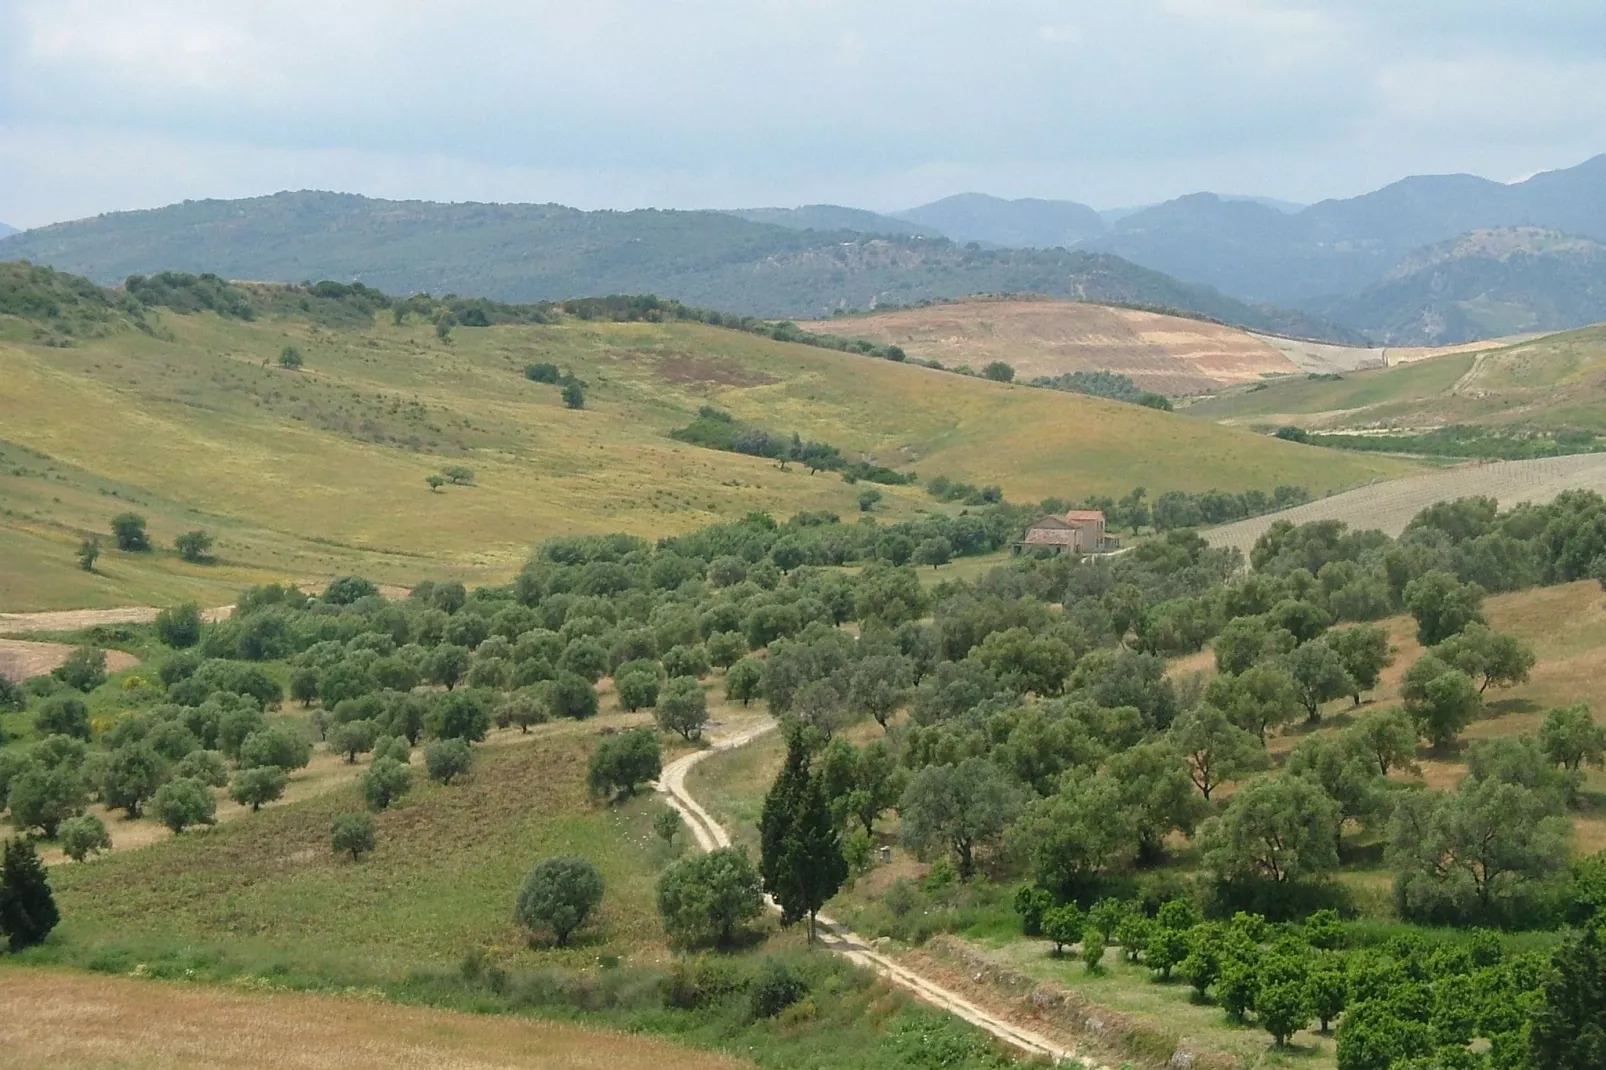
(1569, 1024)
(27, 909)
(780, 804)
(802, 863)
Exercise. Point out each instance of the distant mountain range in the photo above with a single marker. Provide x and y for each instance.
(1342, 259)
(1483, 284)
(1428, 259)
(525, 252)
(5, 230)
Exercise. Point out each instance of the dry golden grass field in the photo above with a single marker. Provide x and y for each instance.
(311, 473)
(74, 1021)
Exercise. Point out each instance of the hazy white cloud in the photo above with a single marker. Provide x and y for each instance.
(619, 103)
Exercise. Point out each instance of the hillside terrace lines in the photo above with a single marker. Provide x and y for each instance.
(1390, 506)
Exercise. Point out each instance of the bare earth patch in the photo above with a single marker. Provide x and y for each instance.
(68, 1021)
(1169, 354)
(22, 660)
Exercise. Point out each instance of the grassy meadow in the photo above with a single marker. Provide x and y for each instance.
(310, 473)
(1551, 383)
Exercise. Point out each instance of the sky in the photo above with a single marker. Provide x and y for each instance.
(883, 104)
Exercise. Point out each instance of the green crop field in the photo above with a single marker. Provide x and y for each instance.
(305, 474)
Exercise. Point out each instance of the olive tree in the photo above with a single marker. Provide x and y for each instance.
(624, 762)
(707, 898)
(352, 834)
(559, 895)
(258, 785)
(83, 836)
(682, 707)
(958, 807)
(184, 802)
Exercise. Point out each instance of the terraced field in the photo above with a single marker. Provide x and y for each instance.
(1168, 354)
(1390, 506)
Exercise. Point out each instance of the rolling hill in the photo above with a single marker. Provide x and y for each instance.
(1553, 383)
(192, 422)
(1166, 354)
(521, 252)
(7, 230)
(1487, 282)
(1027, 223)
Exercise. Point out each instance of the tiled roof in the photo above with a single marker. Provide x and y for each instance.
(1084, 516)
(1037, 536)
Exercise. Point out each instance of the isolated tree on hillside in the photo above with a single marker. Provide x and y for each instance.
(559, 895)
(193, 546)
(436, 481)
(869, 498)
(88, 554)
(27, 907)
(574, 395)
(128, 529)
(999, 372)
(352, 834)
(290, 358)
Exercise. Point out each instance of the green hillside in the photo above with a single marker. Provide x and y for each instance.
(524, 252)
(1551, 384)
(191, 421)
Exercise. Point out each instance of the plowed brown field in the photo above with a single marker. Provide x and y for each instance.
(1168, 354)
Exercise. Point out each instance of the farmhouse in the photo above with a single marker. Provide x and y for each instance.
(1080, 530)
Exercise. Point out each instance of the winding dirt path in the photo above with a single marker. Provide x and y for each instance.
(711, 835)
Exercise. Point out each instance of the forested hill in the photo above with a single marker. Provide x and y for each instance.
(6, 229)
(524, 252)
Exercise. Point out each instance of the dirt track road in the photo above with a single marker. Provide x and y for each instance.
(1390, 506)
(71, 620)
(710, 835)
